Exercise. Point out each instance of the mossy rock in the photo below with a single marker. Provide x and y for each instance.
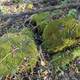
(14, 47)
(41, 19)
(60, 34)
(61, 59)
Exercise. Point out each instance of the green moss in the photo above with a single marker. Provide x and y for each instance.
(60, 34)
(63, 58)
(41, 19)
(17, 1)
(28, 32)
(14, 47)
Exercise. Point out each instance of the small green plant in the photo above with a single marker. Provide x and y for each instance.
(73, 13)
(65, 1)
(14, 47)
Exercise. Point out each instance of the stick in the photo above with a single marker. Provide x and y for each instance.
(51, 8)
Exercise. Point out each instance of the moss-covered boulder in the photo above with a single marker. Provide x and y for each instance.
(60, 34)
(14, 47)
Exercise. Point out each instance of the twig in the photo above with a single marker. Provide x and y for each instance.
(41, 54)
(51, 8)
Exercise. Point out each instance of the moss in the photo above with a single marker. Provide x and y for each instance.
(61, 59)
(41, 19)
(60, 34)
(17, 1)
(14, 47)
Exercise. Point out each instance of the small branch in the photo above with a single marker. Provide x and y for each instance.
(51, 8)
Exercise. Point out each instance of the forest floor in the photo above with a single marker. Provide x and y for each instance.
(43, 69)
